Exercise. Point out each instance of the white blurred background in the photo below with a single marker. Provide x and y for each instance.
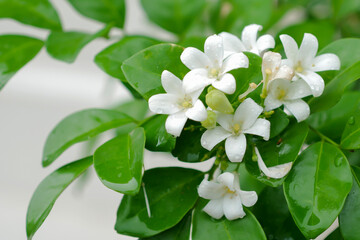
(32, 103)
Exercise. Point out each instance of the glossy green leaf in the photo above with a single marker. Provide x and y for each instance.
(157, 138)
(171, 193)
(135, 108)
(349, 218)
(333, 91)
(297, 31)
(143, 70)
(205, 227)
(78, 127)
(317, 187)
(350, 138)
(106, 11)
(331, 122)
(279, 150)
(15, 52)
(245, 76)
(119, 162)
(188, 147)
(49, 190)
(273, 214)
(278, 122)
(66, 46)
(111, 58)
(38, 13)
(180, 231)
(343, 8)
(174, 16)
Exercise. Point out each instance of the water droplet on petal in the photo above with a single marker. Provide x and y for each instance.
(351, 120)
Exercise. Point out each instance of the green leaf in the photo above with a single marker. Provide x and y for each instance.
(38, 13)
(278, 122)
(343, 8)
(106, 11)
(157, 138)
(111, 58)
(176, 15)
(279, 150)
(188, 147)
(325, 27)
(118, 162)
(135, 108)
(273, 214)
(171, 193)
(143, 70)
(49, 190)
(316, 188)
(349, 218)
(350, 138)
(205, 227)
(15, 52)
(180, 231)
(331, 122)
(333, 91)
(78, 127)
(245, 76)
(66, 46)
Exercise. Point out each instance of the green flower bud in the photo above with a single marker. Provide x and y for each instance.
(218, 101)
(210, 121)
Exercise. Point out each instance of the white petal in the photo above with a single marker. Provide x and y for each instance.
(290, 47)
(211, 190)
(270, 63)
(195, 80)
(194, 58)
(226, 121)
(285, 72)
(272, 103)
(171, 83)
(265, 42)
(248, 36)
(197, 112)
(211, 137)
(232, 43)
(308, 49)
(287, 62)
(235, 61)
(175, 123)
(226, 83)
(235, 147)
(164, 103)
(315, 82)
(248, 198)
(214, 49)
(298, 89)
(324, 62)
(276, 172)
(227, 179)
(232, 207)
(215, 208)
(299, 108)
(247, 113)
(260, 128)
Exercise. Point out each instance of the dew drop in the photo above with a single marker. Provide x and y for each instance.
(351, 120)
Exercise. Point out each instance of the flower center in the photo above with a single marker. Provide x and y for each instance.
(236, 128)
(229, 191)
(214, 73)
(281, 94)
(299, 68)
(186, 102)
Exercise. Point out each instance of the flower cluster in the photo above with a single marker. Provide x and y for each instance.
(285, 83)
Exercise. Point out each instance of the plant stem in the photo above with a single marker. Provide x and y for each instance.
(323, 137)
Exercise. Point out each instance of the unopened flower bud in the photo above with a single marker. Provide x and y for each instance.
(210, 121)
(217, 100)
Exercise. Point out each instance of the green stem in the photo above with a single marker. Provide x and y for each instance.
(323, 137)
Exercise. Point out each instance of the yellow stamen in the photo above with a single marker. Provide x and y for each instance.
(299, 68)
(281, 94)
(214, 72)
(229, 191)
(236, 128)
(186, 104)
(268, 71)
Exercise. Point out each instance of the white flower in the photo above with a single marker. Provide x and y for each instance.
(285, 92)
(234, 127)
(248, 42)
(226, 197)
(179, 104)
(210, 67)
(304, 62)
(277, 172)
